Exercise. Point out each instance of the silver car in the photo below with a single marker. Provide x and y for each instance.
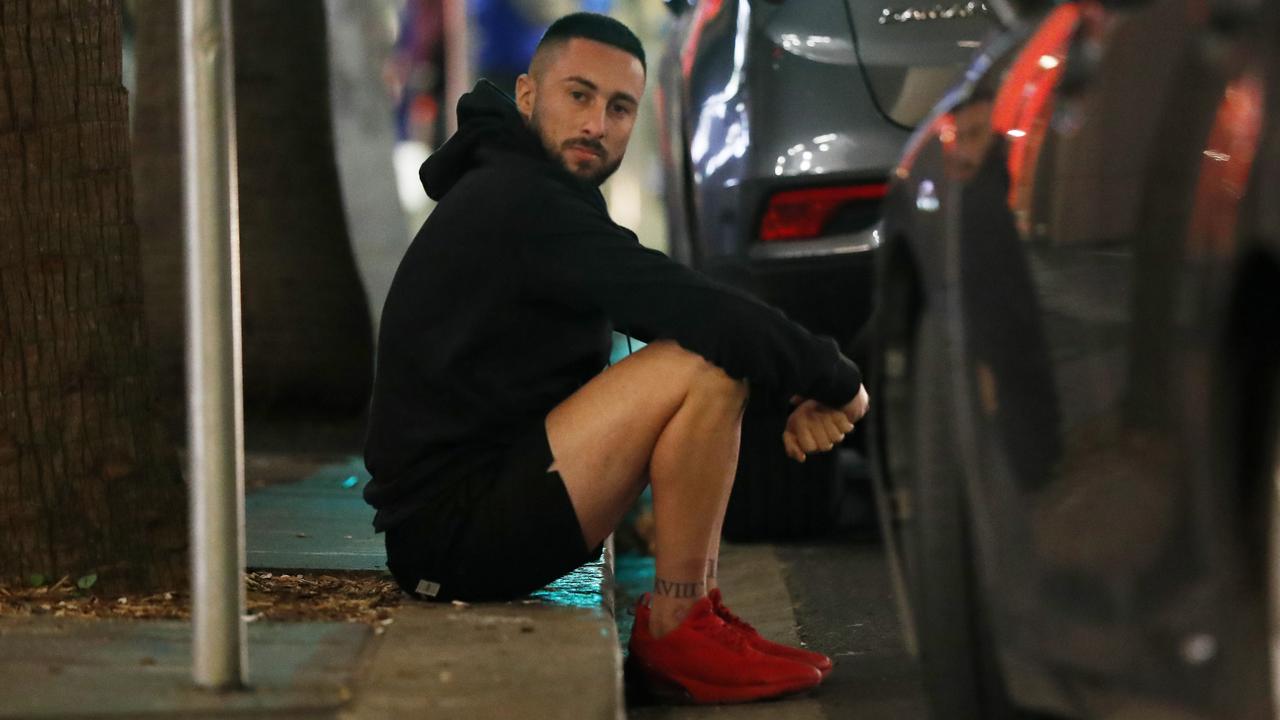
(780, 123)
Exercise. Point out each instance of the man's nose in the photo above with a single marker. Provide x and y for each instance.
(593, 123)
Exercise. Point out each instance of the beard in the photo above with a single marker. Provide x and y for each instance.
(557, 151)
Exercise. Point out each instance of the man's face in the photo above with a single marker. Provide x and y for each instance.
(581, 99)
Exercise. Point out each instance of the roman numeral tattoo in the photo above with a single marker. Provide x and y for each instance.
(677, 589)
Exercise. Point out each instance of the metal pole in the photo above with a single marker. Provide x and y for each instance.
(215, 428)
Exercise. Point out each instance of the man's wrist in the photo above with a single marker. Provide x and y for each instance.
(844, 385)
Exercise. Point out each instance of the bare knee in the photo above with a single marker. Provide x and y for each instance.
(707, 381)
(710, 383)
(671, 352)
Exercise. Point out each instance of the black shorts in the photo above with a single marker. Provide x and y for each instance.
(492, 538)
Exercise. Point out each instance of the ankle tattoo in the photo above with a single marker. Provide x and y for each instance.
(711, 568)
(677, 589)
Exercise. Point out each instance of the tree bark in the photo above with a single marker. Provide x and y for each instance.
(308, 338)
(157, 171)
(87, 482)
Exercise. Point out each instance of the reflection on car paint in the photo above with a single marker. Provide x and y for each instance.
(1022, 105)
(957, 11)
(803, 158)
(729, 127)
(965, 137)
(1090, 254)
(705, 12)
(926, 198)
(1228, 161)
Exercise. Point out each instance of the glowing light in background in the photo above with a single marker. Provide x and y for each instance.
(625, 200)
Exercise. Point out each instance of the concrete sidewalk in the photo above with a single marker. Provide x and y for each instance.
(554, 654)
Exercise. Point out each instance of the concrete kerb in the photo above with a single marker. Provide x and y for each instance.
(554, 654)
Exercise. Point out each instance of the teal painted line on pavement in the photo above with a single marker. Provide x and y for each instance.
(319, 523)
(323, 523)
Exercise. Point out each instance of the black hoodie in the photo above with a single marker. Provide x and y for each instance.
(503, 305)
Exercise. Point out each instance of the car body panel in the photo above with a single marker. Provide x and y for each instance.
(942, 36)
(768, 96)
(1085, 269)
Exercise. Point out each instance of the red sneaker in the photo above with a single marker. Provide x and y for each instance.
(705, 661)
(768, 647)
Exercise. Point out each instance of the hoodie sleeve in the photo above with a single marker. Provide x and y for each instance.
(599, 265)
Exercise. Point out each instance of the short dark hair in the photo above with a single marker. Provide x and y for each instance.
(593, 26)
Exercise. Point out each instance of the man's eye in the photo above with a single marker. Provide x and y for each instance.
(621, 110)
(577, 95)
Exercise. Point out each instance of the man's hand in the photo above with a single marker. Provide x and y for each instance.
(814, 427)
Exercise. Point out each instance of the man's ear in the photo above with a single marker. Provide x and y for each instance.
(525, 91)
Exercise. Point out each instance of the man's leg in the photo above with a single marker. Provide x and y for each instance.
(820, 662)
(666, 416)
(713, 550)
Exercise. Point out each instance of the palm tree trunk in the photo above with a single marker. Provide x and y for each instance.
(308, 338)
(87, 482)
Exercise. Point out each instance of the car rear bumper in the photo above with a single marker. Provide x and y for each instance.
(829, 294)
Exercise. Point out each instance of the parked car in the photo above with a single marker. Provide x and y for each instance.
(781, 120)
(1078, 356)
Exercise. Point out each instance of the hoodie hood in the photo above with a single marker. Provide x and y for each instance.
(487, 119)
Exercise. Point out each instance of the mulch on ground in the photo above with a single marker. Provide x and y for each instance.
(334, 596)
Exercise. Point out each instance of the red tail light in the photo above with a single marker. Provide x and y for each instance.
(804, 214)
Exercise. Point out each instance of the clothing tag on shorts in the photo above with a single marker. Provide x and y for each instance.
(428, 588)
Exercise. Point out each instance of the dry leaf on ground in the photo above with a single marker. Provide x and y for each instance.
(351, 597)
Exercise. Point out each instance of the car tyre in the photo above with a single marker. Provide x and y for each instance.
(957, 656)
